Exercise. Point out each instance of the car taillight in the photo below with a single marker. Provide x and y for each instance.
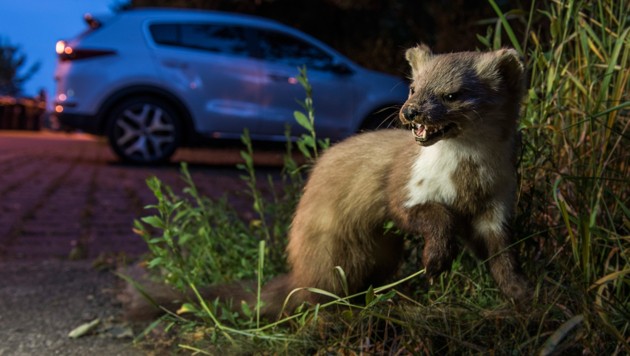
(67, 53)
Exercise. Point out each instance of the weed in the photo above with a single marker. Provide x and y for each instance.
(573, 220)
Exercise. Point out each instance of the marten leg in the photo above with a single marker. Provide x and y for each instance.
(491, 240)
(436, 224)
(385, 258)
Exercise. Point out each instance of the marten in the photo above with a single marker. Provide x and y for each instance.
(452, 175)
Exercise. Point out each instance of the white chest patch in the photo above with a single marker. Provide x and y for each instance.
(431, 174)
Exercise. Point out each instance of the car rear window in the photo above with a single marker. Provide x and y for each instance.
(268, 45)
(165, 34)
(216, 38)
(279, 47)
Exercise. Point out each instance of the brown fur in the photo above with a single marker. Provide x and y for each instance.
(361, 183)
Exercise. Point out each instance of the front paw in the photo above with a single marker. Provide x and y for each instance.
(437, 259)
(517, 288)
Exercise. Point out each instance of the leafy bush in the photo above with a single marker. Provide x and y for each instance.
(573, 221)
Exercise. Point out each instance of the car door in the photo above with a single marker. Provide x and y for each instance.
(334, 93)
(213, 68)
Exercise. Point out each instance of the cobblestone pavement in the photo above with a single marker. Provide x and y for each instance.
(60, 191)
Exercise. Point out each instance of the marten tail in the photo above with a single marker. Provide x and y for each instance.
(145, 299)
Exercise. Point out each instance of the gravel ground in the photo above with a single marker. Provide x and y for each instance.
(42, 301)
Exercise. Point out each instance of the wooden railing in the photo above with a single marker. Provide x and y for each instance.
(21, 113)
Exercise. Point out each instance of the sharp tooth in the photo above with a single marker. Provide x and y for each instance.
(419, 130)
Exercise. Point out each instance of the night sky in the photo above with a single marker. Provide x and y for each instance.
(36, 25)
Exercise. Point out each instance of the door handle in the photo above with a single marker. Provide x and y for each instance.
(174, 64)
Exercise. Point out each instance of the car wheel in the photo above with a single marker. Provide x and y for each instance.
(144, 130)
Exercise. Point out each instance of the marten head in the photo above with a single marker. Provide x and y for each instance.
(476, 94)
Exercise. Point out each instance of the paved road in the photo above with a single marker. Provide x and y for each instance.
(60, 190)
(57, 191)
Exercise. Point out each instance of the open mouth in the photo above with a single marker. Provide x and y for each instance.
(425, 134)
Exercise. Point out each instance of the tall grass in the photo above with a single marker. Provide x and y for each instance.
(575, 166)
(573, 224)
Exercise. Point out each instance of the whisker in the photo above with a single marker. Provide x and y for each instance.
(389, 120)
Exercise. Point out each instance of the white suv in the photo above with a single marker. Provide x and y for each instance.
(152, 80)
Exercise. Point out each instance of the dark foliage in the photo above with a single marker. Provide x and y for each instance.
(372, 32)
(13, 71)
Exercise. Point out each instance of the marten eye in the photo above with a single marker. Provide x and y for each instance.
(451, 96)
(412, 90)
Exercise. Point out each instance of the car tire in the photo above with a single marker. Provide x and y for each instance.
(144, 130)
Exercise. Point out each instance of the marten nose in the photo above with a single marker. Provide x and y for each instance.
(409, 113)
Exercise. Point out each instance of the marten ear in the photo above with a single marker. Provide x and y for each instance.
(503, 66)
(417, 56)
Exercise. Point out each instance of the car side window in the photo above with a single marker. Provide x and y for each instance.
(215, 38)
(279, 47)
(165, 34)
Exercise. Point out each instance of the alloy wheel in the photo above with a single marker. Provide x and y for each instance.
(144, 132)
